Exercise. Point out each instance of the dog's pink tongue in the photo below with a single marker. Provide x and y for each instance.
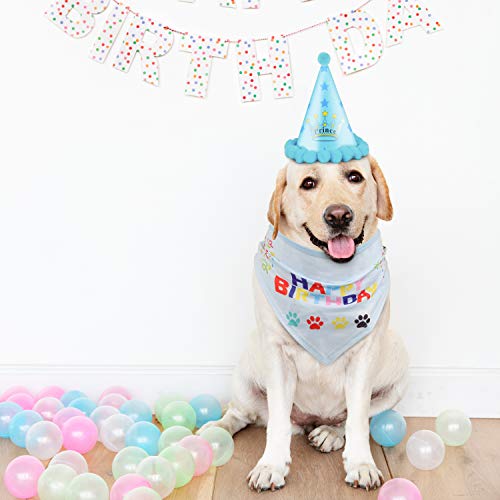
(341, 247)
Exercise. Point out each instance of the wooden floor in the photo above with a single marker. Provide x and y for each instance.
(471, 472)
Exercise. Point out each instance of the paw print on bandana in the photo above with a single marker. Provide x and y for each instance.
(293, 319)
(362, 321)
(339, 323)
(314, 323)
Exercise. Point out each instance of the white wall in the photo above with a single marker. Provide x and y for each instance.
(129, 215)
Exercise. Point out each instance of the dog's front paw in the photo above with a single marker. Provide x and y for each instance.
(326, 438)
(267, 477)
(365, 476)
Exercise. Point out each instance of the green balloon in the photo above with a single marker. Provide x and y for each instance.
(183, 463)
(142, 493)
(54, 482)
(127, 460)
(222, 444)
(172, 436)
(454, 427)
(163, 401)
(160, 473)
(178, 413)
(87, 486)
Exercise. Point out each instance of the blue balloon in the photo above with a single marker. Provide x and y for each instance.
(69, 396)
(207, 408)
(84, 404)
(20, 425)
(388, 428)
(137, 410)
(7, 411)
(145, 435)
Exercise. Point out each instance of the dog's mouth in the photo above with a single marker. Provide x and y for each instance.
(340, 248)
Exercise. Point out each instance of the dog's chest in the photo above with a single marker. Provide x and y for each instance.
(320, 389)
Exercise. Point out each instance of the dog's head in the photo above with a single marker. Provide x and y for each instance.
(333, 207)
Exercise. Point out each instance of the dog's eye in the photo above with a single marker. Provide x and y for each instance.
(308, 183)
(355, 177)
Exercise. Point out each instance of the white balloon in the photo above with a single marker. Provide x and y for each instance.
(72, 459)
(48, 407)
(160, 473)
(54, 482)
(102, 413)
(113, 431)
(43, 440)
(425, 450)
(127, 460)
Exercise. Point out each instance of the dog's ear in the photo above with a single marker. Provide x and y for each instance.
(274, 212)
(384, 205)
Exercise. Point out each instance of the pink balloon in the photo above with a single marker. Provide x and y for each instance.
(65, 414)
(79, 434)
(14, 390)
(113, 399)
(21, 476)
(202, 452)
(48, 407)
(117, 389)
(399, 489)
(127, 483)
(24, 400)
(52, 391)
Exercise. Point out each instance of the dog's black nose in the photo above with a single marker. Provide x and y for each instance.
(338, 216)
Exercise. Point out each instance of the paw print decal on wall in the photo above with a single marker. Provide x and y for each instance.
(339, 323)
(362, 321)
(314, 323)
(293, 319)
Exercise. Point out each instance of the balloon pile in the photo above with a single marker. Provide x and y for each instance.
(149, 462)
(425, 449)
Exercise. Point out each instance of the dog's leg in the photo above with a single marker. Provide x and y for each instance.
(273, 466)
(232, 421)
(327, 438)
(358, 461)
(247, 407)
(390, 398)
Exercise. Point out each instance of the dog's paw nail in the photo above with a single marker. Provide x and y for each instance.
(267, 477)
(365, 476)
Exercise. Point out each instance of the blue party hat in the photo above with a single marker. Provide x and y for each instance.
(326, 135)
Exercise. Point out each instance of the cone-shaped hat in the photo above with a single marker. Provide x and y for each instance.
(326, 135)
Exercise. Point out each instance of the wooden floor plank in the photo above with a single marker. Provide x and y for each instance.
(470, 472)
(313, 475)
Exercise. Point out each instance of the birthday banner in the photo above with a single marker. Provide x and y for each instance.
(232, 4)
(139, 36)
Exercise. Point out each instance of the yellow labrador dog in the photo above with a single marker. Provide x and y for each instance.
(331, 208)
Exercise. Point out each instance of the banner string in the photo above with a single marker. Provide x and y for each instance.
(301, 30)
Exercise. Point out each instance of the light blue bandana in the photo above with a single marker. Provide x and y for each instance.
(325, 306)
